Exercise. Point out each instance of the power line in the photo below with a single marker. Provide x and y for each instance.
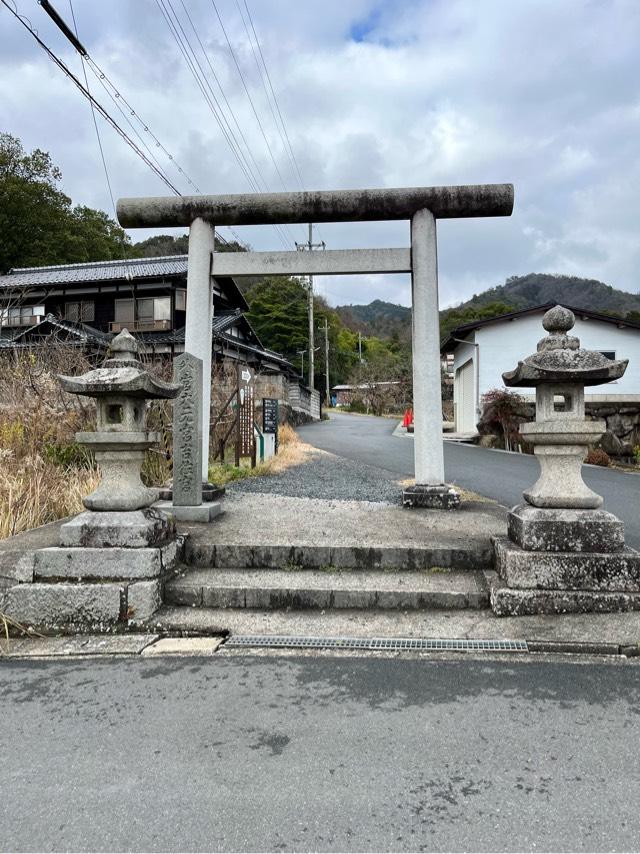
(282, 132)
(96, 104)
(246, 89)
(182, 42)
(281, 230)
(116, 95)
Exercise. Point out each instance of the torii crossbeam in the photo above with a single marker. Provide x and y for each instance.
(420, 205)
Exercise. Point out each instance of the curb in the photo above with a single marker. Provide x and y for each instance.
(171, 645)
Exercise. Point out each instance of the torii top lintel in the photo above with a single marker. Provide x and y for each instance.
(447, 202)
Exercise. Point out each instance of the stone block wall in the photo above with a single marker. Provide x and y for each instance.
(621, 417)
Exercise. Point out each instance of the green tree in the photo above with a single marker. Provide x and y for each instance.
(453, 317)
(38, 224)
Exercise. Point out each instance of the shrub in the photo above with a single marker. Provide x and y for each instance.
(502, 409)
(357, 405)
(598, 457)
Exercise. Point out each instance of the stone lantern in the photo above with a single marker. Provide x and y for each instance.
(108, 570)
(563, 553)
(121, 388)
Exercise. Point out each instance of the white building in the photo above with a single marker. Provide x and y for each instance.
(484, 349)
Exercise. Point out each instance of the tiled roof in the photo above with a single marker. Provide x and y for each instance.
(78, 330)
(97, 271)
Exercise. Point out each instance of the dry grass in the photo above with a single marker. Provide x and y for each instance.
(291, 452)
(34, 491)
(43, 473)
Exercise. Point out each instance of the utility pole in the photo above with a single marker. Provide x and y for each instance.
(360, 346)
(310, 246)
(326, 362)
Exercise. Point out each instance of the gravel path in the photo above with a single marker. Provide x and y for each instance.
(329, 477)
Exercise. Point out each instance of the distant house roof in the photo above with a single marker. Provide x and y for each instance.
(95, 271)
(450, 343)
(83, 334)
(80, 331)
(364, 385)
(104, 271)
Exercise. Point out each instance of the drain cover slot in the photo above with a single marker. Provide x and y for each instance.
(433, 644)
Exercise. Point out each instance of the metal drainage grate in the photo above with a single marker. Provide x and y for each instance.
(441, 644)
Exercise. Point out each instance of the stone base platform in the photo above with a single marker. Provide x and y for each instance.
(84, 606)
(205, 512)
(131, 529)
(520, 602)
(606, 571)
(551, 530)
(439, 496)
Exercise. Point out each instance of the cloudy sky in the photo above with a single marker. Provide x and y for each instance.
(541, 93)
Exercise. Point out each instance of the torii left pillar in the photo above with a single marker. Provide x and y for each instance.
(199, 322)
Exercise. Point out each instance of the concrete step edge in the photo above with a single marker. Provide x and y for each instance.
(204, 556)
(251, 590)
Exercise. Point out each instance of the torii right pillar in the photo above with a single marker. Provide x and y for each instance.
(430, 489)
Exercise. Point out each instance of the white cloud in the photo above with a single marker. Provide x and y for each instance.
(396, 93)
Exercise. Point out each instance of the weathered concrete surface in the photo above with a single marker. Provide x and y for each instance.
(81, 607)
(321, 533)
(313, 589)
(102, 564)
(65, 605)
(563, 530)
(197, 646)
(619, 571)
(328, 262)
(205, 512)
(318, 206)
(517, 601)
(70, 647)
(606, 631)
(134, 529)
(433, 497)
(17, 553)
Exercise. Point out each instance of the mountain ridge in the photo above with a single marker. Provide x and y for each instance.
(389, 320)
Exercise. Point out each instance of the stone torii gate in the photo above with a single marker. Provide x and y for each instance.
(422, 206)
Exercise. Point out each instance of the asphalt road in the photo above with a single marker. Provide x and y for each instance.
(319, 754)
(496, 474)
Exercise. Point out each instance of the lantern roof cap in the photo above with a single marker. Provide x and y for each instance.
(122, 374)
(560, 359)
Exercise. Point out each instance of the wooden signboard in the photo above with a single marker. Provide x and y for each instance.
(245, 440)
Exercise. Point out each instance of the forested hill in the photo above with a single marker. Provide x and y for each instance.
(538, 288)
(378, 318)
(387, 320)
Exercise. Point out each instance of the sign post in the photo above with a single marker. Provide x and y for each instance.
(245, 443)
(271, 418)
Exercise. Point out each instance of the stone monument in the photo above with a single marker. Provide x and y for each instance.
(109, 566)
(563, 552)
(188, 498)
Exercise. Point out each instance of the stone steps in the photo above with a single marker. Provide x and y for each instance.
(471, 556)
(317, 589)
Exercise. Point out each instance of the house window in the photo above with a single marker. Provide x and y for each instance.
(80, 312)
(144, 313)
(124, 311)
(26, 315)
(609, 354)
(181, 299)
